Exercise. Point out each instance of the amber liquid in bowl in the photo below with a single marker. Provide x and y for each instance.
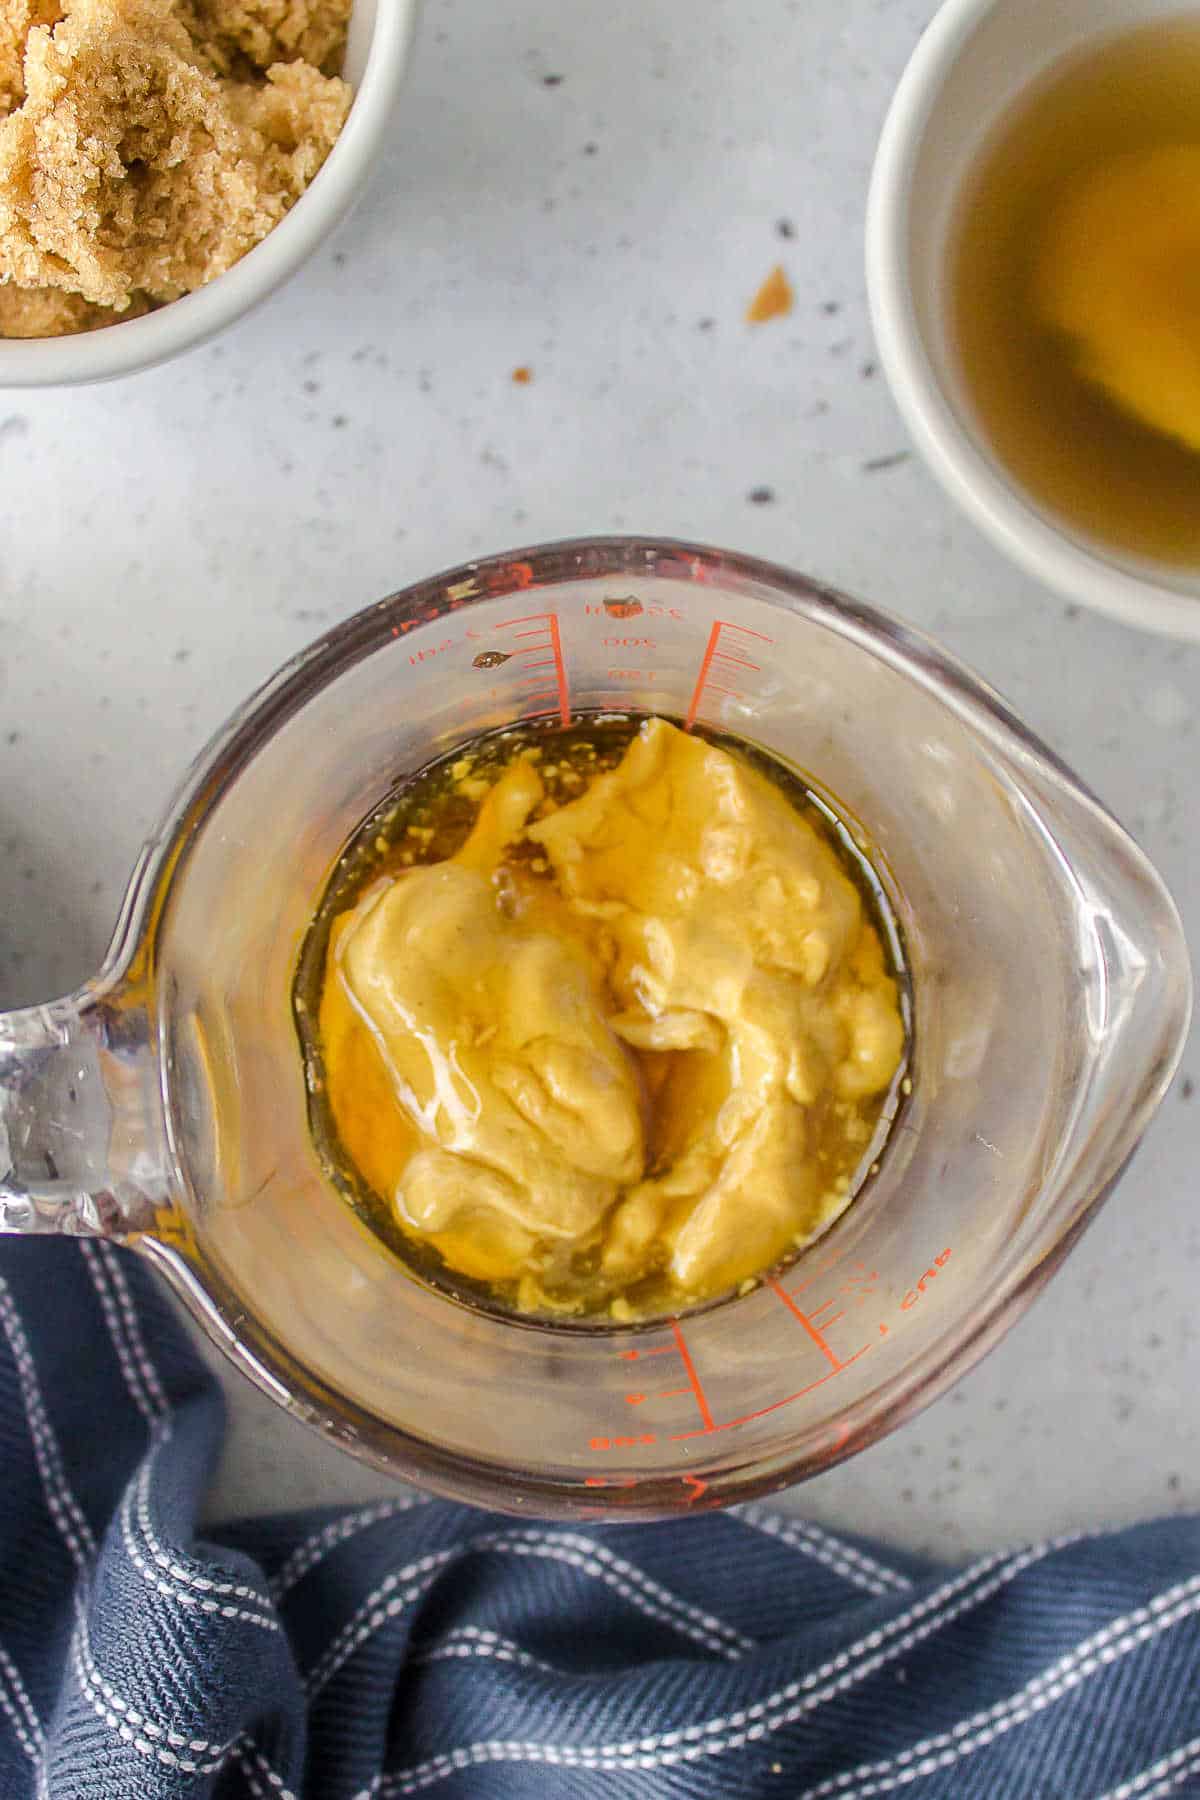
(1063, 436)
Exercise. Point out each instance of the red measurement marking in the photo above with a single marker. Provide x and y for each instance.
(689, 1369)
(705, 666)
(814, 1331)
(633, 1355)
(837, 1366)
(697, 1486)
(545, 636)
(679, 1437)
(704, 678)
(824, 1307)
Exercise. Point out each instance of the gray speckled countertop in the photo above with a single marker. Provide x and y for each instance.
(594, 191)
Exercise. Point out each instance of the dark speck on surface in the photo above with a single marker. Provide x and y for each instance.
(761, 496)
(339, 259)
(339, 421)
(784, 228)
(311, 387)
(830, 307)
(869, 371)
(16, 425)
(1173, 1484)
(590, 149)
(705, 324)
(552, 80)
(181, 655)
(1071, 611)
(841, 347)
(876, 464)
(13, 737)
(1187, 1088)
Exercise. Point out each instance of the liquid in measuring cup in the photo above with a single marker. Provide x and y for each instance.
(602, 1021)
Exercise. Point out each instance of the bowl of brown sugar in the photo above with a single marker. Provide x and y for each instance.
(165, 164)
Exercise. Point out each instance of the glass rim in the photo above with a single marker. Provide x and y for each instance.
(883, 634)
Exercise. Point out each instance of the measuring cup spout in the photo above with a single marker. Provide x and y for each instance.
(82, 1142)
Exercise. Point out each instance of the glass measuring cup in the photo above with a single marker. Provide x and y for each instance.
(164, 1104)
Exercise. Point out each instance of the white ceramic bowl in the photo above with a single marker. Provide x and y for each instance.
(975, 59)
(376, 54)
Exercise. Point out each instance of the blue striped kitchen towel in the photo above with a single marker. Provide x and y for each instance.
(412, 1647)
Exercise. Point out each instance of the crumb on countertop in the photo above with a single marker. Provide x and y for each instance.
(773, 299)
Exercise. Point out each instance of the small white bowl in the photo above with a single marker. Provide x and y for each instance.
(377, 51)
(975, 59)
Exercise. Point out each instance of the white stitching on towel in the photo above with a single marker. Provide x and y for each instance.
(110, 1257)
(874, 1649)
(371, 1617)
(153, 1739)
(471, 1641)
(308, 1554)
(721, 1637)
(1162, 1777)
(15, 1700)
(201, 1601)
(97, 1274)
(843, 1559)
(21, 1694)
(591, 1559)
(245, 1751)
(130, 1734)
(1086, 1659)
(627, 1756)
(81, 1651)
(64, 1509)
(141, 1379)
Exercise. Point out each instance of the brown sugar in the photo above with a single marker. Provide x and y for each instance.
(241, 36)
(135, 169)
(16, 19)
(48, 312)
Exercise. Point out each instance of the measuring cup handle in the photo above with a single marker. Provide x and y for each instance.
(82, 1141)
